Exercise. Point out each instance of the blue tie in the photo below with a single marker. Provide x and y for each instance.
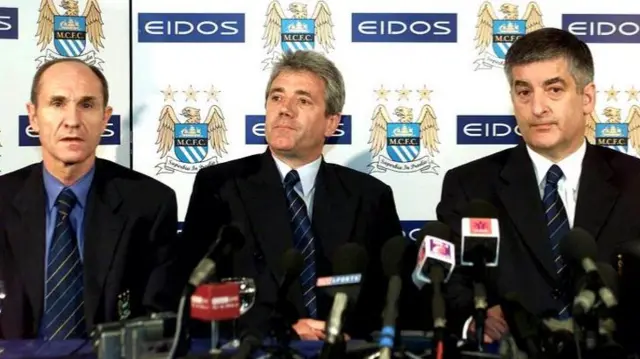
(303, 241)
(64, 305)
(558, 225)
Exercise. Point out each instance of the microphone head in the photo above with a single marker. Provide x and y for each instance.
(577, 245)
(393, 252)
(350, 258)
(609, 276)
(434, 229)
(292, 262)
(478, 208)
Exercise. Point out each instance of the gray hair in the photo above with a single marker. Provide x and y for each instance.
(548, 44)
(311, 61)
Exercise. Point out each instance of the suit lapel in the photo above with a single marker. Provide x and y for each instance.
(103, 227)
(596, 194)
(520, 195)
(27, 238)
(264, 199)
(334, 211)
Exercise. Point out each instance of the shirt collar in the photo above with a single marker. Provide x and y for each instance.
(571, 166)
(307, 173)
(80, 188)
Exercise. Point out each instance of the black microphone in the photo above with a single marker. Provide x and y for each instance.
(250, 342)
(435, 263)
(285, 315)
(349, 263)
(393, 252)
(579, 251)
(229, 239)
(524, 327)
(480, 247)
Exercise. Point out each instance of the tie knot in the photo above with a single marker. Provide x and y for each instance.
(66, 200)
(554, 174)
(291, 178)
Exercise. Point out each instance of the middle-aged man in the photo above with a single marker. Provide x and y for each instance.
(290, 197)
(552, 182)
(82, 240)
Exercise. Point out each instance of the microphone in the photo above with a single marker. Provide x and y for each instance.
(392, 254)
(579, 250)
(249, 343)
(349, 262)
(435, 264)
(285, 313)
(229, 239)
(480, 249)
(523, 325)
(215, 302)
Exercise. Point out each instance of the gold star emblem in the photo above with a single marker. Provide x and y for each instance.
(212, 94)
(612, 94)
(403, 93)
(382, 93)
(424, 93)
(168, 94)
(191, 93)
(633, 94)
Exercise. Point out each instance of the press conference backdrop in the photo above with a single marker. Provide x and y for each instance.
(425, 85)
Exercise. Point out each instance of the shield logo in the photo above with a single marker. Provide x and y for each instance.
(69, 35)
(403, 141)
(191, 142)
(505, 33)
(613, 135)
(297, 34)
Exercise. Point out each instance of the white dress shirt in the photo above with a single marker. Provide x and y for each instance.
(306, 187)
(571, 167)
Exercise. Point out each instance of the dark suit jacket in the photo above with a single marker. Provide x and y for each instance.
(607, 207)
(130, 226)
(349, 206)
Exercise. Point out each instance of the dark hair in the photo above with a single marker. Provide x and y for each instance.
(35, 85)
(550, 43)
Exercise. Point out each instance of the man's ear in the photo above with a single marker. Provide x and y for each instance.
(333, 121)
(33, 118)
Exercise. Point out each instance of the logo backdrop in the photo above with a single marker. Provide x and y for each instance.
(425, 85)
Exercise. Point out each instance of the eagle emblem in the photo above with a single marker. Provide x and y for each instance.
(191, 138)
(404, 139)
(501, 33)
(298, 31)
(613, 131)
(70, 30)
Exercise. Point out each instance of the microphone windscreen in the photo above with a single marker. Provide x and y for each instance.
(393, 252)
(292, 262)
(350, 258)
(609, 276)
(434, 229)
(478, 208)
(578, 244)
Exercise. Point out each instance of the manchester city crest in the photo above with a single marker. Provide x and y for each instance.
(501, 33)
(296, 29)
(609, 127)
(410, 143)
(69, 31)
(195, 136)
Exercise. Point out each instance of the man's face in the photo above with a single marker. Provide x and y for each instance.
(296, 124)
(70, 116)
(548, 107)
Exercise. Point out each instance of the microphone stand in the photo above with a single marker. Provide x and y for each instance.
(480, 301)
(282, 330)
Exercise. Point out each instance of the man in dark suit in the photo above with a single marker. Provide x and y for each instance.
(552, 182)
(289, 197)
(82, 240)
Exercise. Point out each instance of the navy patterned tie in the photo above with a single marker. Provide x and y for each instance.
(303, 241)
(64, 305)
(558, 225)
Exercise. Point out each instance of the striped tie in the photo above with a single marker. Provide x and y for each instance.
(558, 225)
(64, 305)
(303, 241)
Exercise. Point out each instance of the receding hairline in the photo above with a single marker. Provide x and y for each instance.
(103, 94)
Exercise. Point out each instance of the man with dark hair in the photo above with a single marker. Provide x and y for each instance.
(82, 240)
(553, 181)
(289, 197)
